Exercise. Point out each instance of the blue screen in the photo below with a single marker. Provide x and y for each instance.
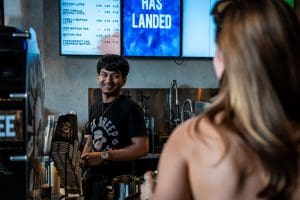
(151, 28)
(198, 29)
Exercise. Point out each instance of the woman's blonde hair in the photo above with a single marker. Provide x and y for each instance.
(260, 87)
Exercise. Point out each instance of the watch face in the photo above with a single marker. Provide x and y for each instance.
(104, 155)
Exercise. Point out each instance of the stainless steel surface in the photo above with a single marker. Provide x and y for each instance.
(125, 186)
(173, 105)
(187, 110)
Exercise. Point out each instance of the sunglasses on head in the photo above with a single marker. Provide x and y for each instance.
(218, 11)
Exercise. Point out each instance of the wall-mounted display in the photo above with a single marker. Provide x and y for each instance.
(137, 28)
(151, 28)
(198, 29)
(89, 27)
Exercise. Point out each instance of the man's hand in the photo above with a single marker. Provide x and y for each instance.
(92, 158)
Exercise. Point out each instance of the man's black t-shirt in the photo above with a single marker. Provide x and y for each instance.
(112, 125)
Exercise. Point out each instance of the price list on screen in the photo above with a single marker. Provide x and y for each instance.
(90, 27)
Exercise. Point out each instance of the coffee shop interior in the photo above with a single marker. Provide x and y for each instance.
(43, 89)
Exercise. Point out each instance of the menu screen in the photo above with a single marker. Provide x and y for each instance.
(89, 27)
(151, 28)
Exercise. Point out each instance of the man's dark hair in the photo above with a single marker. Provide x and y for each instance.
(112, 62)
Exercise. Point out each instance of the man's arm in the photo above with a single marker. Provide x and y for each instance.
(88, 145)
(138, 148)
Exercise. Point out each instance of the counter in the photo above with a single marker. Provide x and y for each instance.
(151, 156)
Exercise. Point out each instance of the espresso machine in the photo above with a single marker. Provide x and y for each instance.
(21, 113)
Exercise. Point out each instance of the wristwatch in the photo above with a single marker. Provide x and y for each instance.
(104, 155)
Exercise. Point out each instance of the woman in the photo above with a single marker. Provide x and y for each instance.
(246, 145)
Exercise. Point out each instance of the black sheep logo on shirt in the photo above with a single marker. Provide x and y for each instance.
(105, 134)
(99, 139)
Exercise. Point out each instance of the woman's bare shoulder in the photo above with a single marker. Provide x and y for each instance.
(195, 135)
(184, 148)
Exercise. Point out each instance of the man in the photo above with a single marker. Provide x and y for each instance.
(116, 132)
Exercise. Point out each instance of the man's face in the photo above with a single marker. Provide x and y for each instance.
(110, 82)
